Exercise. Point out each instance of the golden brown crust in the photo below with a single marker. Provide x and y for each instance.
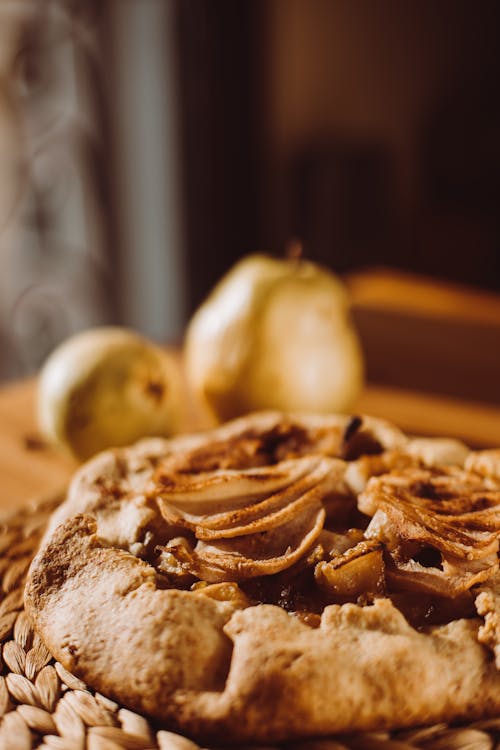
(207, 661)
(486, 463)
(212, 670)
(438, 451)
(488, 606)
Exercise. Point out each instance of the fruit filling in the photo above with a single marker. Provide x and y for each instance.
(278, 517)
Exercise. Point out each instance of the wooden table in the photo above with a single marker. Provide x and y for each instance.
(30, 469)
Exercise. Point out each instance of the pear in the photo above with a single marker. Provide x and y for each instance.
(274, 334)
(107, 387)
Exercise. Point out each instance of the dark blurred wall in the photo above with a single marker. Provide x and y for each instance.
(370, 129)
(384, 117)
(148, 144)
(221, 114)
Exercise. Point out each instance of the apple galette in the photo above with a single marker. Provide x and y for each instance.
(280, 576)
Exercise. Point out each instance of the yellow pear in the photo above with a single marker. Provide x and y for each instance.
(107, 387)
(274, 334)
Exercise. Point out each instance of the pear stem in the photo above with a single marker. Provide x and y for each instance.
(294, 250)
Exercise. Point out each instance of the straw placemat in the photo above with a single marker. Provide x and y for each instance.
(43, 705)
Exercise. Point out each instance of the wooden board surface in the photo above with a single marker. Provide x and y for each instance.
(29, 469)
(427, 335)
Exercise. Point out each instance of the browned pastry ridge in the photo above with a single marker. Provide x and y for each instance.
(281, 576)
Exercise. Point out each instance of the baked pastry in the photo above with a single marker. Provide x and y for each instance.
(278, 577)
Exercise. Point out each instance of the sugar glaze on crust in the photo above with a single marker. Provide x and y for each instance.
(213, 668)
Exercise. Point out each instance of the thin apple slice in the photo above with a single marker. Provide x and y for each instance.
(441, 527)
(216, 493)
(445, 509)
(453, 578)
(265, 553)
(265, 521)
(258, 514)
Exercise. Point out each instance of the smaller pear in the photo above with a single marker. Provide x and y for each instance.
(274, 334)
(107, 387)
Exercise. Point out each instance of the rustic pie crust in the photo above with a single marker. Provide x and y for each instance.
(278, 577)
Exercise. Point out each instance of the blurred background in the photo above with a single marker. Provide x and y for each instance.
(146, 145)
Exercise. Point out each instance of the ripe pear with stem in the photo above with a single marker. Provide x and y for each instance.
(275, 334)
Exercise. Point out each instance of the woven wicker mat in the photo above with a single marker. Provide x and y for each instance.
(43, 705)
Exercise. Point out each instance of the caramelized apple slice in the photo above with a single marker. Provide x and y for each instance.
(264, 553)
(308, 480)
(210, 493)
(448, 510)
(359, 570)
(247, 556)
(452, 578)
